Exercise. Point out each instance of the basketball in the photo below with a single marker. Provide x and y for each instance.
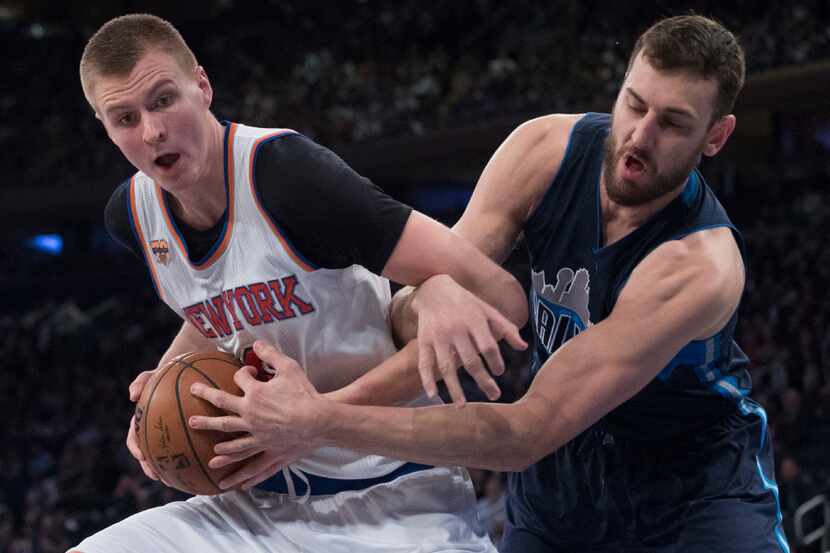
(178, 453)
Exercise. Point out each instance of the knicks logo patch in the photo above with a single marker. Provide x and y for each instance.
(161, 251)
(561, 311)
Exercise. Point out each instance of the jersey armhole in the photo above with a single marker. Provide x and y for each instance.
(294, 253)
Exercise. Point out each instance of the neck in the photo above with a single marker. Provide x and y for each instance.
(620, 220)
(202, 205)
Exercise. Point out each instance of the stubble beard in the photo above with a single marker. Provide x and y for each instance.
(627, 194)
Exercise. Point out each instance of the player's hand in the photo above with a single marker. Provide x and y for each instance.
(136, 387)
(260, 465)
(283, 417)
(456, 328)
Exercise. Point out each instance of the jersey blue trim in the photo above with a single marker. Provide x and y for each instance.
(749, 407)
(691, 188)
(279, 228)
(692, 353)
(322, 485)
(704, 227)
(147, 261)
(226, 216)
(568, 147)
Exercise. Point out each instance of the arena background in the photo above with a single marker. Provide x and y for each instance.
(415, 95)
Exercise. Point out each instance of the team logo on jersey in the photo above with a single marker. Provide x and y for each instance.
(160, 250)
(256, 303)
(561, 311)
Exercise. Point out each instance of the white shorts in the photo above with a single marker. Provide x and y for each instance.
(431, 510)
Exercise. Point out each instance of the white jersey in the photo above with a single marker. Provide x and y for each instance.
(254, 285)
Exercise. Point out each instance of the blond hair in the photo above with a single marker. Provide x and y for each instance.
(115, 49)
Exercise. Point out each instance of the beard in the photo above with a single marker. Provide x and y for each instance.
(626, 193)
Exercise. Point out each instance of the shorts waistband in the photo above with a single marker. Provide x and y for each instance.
(322, 485)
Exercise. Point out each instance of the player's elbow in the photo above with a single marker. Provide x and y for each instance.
(531, 442)
(525, 456)
(514, 303)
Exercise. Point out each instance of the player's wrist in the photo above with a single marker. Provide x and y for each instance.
(416, 299)
(329, 422)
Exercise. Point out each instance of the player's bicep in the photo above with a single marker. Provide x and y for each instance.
(333, 216)
(512, 183)
(676, 295)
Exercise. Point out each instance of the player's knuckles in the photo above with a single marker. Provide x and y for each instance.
(488, 348)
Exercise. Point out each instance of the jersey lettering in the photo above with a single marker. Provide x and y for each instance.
(258, 303)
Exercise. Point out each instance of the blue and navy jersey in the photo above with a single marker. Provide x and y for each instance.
(576, 282)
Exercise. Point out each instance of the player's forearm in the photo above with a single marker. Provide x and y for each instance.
(393, 382)
(481, 435)
(188, 339)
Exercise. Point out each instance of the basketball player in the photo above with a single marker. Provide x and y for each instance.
(637, 432)
(261, 233)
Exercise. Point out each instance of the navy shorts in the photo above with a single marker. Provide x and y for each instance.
(713, 491)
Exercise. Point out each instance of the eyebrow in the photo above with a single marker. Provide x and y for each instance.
(153, 90)
(679, 111)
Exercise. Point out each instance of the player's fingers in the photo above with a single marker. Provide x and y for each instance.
(222, 424)
(137, 385)
(132, 441)
(475, 367)
(217, 397)
(264, 475)
(278, 361)
(235, 446)
(248, 471)
(487, 346)
(148, 470)
(450, 377)
(244, 377)
(426, 367)
(502, 328)
(223, 460)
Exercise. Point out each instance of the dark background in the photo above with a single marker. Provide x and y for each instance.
(416, 96)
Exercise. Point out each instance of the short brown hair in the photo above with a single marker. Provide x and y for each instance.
(116, 48)
(701, 46)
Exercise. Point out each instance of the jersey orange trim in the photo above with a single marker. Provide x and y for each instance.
(145, 245)
(286, 245)
(231, 187)
(230, 190)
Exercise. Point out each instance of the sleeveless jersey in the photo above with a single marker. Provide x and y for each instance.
(254, 285)
(576, 281)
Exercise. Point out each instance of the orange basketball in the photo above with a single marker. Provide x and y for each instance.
(178, 453)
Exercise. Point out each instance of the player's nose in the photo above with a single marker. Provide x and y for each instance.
(645, 132)
(154, 129)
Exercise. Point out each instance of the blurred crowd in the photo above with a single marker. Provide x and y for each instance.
(362, 70)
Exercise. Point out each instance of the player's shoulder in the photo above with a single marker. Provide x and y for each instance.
(705, 267)
(285, 148)
(540, 144)
(117, 217)
(709, 257)
(548, 133)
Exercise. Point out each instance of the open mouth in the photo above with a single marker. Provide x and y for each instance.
(166, 161)
(634, 164)
(633, 167)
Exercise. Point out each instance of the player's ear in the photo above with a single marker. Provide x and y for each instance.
(718, 134)
(204, 85)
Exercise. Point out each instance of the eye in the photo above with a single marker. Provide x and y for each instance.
(637, 108)
(126, 119)
(672, 124)
(164, 100)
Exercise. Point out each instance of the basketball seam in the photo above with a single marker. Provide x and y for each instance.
(181, 412)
